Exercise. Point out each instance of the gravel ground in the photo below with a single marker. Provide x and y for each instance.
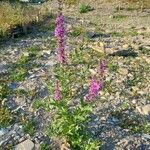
(126, 35)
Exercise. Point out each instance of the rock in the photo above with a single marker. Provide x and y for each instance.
(3, 131)
(92, 71)
(25, 145)
(26, 53)
(134, 101)
(144, 110)
(111, 16)
(147, 136)
(126, 46)
(123, 71)
(11, 135)
(50, 63)
(13, 85)
(43, 92)
(3, 68)
(98, 46)
(146, 58)
(135, 88)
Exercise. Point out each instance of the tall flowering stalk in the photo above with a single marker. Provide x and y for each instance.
(57, 92)
(97, 82)
(102, 68)
(60, 35)
(94, 88)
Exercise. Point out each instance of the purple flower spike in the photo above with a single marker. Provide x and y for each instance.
(57, 94)
(102, 66)
(61, 55)
(94, 88)
(60, 35)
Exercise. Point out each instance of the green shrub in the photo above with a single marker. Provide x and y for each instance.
(85, 8)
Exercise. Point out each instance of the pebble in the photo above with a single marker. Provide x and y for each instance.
(144, 110)
(147, 136)
(25, 145)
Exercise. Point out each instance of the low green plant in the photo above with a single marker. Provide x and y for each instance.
(18, 75)
(29, 127)
(120, 17)
(5, 117)
(116, 34)
(4, 90)
(45, 147)
(144, 50)
(130, 32)
(84, 8)
(112, 67)
(33, 49)
(71, 125)
(76, 31)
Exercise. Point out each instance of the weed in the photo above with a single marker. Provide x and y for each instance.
(37, 104)
(5, 117)
(70, 124)
(33, 49)
(29, 127)
(18, 75)
(130, 32)
(112, 67)
(85, 8)
(76, 31)
(144, 50)
(4, 90)
(116, 34)
(120, 17)
(44, 147)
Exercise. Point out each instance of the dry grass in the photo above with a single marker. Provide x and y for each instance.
(133, 3)
(16, 14)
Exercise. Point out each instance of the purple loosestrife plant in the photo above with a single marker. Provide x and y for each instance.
(95, 84)
(60, 35)
(57, 93)
(94, 88)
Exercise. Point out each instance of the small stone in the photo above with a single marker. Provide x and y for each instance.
(13, 85)
(25, 145)
(92, 71)
(126, 46)
(135, 88)
(111, 16)
(147, 136)
(103, 118)
(146, 59)
(98, 46)
(123, 71)
(144, 110)
(134, 101)
(25, 53)
(3, 131)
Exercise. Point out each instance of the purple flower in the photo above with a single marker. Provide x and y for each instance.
(57, 93)
(60, 19)
(94, 88)
(60, 35)
(59, 32)
(61, 54)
